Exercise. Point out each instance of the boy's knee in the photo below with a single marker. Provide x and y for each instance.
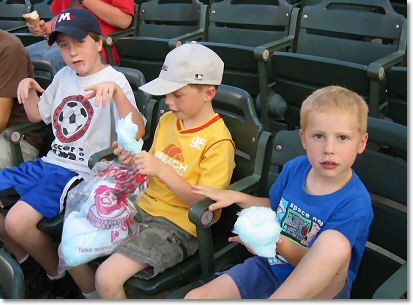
(14, 225)
(105, 284)
(196, 294)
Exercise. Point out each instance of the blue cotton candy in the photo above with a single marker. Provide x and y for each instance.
(126, 131)
(258, 229)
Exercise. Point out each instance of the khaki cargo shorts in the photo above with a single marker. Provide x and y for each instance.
(161, 244)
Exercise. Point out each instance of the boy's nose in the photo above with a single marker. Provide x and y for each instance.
(329, 146)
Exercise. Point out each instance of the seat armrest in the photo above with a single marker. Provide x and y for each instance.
(103, 154)
(395, 286)
(177, 41)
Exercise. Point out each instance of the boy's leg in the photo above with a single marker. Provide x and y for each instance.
(21, 226)
(321, 273)
(222, 287)
(84, 277)
(18, 252)
(113, 273)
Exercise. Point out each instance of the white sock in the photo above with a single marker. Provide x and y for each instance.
(91, 295)
(21, 261)
(59, 275)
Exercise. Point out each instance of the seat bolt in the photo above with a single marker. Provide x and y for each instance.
(397, 26)
(305, 16)
(278, 147)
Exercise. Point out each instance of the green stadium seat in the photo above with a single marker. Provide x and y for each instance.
(396, 94)
(158, 21)
(11, 14)
(243, 33)
(11, 277)
(351, 43)
(383, 270)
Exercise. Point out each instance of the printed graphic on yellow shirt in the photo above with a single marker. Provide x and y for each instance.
(172, 155)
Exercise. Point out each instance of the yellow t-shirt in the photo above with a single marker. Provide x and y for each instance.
(202, 156)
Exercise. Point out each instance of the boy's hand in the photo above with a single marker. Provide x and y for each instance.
(222, 198)
(236, 239)
(124, 157)
(102, 92)
(25, 87)
(148, 164)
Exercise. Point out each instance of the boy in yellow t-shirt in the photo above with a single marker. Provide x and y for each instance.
(192, 146)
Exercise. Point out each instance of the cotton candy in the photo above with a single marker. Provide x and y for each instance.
(258, 229)
(126, 131)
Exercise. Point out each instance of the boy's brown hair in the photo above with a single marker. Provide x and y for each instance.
(335, 98)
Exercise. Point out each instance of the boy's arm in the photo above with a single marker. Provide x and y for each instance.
(322, 272)
(105, 92)
(6, 106)
(109, 13)
(292, 251)
(26, 95)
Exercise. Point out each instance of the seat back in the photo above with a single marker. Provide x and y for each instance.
(396, 94)
(383, 170)
(11, 14)
(236, 27)
(11, 278)
(337, 42)
(326, 30)
(168, 18)
(158, 21)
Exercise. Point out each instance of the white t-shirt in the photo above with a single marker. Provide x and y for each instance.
(80, 128)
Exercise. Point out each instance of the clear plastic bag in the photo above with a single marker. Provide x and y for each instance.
(100, 213)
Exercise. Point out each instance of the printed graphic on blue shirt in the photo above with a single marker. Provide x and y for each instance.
(297, 225)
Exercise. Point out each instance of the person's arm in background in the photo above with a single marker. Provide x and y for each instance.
(109, 13)
(6, 106)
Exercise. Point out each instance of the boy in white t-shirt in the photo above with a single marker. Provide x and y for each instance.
(83, 103)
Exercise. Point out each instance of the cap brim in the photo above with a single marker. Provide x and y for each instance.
(73, 32)
(159, 86)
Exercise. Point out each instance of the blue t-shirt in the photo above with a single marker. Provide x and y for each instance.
(303, 216)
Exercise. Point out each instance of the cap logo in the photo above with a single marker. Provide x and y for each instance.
(199, 76)
(65, 16)
(164, 68)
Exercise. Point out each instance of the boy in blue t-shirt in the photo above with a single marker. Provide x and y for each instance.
(323, 208)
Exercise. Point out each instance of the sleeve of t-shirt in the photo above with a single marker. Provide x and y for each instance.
(126, 6)
(12, 71)
(218, 164)
(58, 6)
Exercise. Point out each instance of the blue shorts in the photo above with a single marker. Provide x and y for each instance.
(255, 279)
(42, 185)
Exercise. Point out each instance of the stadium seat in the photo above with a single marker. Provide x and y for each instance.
(396, 94)
(385, 257)
(11, 277)
(383, 169)
(11, 14)
(351, 43)
(158, 21)
(243, 33)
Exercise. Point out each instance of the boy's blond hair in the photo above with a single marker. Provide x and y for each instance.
(335, 98)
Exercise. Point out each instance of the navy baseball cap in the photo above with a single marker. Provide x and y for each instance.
(75, 22)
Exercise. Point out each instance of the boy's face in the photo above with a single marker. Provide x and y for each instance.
(191, 105)
(82, 56)
(332, 141)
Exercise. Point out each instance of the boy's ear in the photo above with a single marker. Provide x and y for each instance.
(211, 92)
(363, 143)
(301, 132)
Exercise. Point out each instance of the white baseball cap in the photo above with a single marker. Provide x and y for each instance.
(190, 63)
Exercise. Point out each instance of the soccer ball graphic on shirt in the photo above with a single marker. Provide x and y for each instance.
(72, 118)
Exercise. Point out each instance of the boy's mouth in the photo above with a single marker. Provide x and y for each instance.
(77, 62)
(329, 164)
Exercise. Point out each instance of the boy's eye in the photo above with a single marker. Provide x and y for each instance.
(343, 138)
(318, 136)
